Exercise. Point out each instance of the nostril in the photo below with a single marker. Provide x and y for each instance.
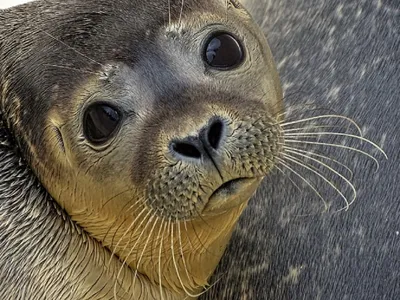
(214, 134)
(186, 149)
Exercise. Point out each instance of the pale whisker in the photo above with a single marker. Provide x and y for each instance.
(73, 49)
(133, 232)
(283, 163)
(126, 232)
(133, 208)
(134, 246)
(334, 145)
(181, 249)
(311, 128)
(321, 156)
(199, 239)
(130, 227)
(169, 13)
(332, 170)
(306, 166)
(132, 236)
(283, 173)
(177, 269)
(188, 236)
(73, 69)
(284, 124)
(175, 264)
(163, 227)
(339, 134)
(181, 13)
(145, 246)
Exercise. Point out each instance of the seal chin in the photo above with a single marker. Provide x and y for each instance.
(231, 194)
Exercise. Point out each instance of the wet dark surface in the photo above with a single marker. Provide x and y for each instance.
(342, 56)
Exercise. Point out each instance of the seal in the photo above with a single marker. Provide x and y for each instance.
(150, 123)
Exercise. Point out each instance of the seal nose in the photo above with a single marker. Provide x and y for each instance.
(213, 134)
(208, 141)
(187, 148)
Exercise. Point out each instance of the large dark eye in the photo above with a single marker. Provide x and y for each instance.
(100, 123)
(223, 51)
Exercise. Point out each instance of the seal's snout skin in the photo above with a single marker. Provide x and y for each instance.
(215, 143)
(209, 150)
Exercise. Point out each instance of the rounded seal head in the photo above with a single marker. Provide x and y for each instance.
(150, 122)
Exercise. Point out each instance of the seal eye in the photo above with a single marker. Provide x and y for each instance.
(223, 51)
(100, 122)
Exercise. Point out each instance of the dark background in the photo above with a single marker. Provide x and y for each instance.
(342, 56)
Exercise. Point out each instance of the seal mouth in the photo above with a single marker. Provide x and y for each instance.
(231, 194)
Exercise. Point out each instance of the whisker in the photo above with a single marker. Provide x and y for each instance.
(72, 69)
(162, 227)
(112, 198)
(283, 173)
(339, 134)
(134, 246)
(73, 49)
(321, 156)
(125, 211)
(188, 236)
(181, 249)
(113, 253)
(126, 231)
(284, 124)
(169, 13)
(332, 170)
(198, 238)
(181, 13)
(308, 167)
(311, 127)
(204, 221)
(130, 211)
(176, 267)
(283, 163)
(336, 146)
(132, 235)
(211, 286)
(145, 246)
(133, 232)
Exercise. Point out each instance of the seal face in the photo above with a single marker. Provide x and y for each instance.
(151, 125)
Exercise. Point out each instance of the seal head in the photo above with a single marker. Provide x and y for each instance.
(150, 124)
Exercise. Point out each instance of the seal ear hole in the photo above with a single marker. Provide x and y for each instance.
(100, 123)
(223, 51)
(59, 138)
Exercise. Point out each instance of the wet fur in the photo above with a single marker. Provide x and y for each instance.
(39, 241)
